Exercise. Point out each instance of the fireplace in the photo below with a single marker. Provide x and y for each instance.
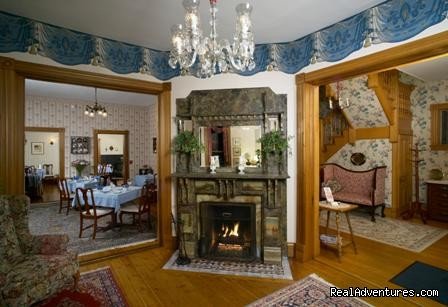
(228, 231)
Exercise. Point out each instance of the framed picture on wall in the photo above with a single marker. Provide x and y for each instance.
(37, 148)
(80, 145)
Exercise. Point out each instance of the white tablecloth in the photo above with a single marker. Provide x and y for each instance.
(114, 200)
(83, 183)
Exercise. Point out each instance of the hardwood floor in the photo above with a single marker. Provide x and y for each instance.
(145, 283)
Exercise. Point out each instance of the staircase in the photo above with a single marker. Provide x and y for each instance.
(334, 127)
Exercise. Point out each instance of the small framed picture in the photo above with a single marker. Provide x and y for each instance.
(236, 151)
(236, 141)
(37, 148)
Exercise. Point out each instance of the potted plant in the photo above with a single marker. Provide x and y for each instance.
(185, 144)
(273, 147)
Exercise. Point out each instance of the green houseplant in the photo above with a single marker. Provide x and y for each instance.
(184, 145)
(273, 147)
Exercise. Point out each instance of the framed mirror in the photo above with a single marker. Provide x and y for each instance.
(111, 154)
(439, 126)
(228, 143)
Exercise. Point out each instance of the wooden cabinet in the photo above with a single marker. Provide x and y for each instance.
(437, 200)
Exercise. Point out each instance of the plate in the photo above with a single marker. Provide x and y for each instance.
(358, 158)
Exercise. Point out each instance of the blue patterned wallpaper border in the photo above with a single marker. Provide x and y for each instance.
(391, 21)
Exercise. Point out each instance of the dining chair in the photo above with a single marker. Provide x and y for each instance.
(146, 200)
(89, 211)
(65, 197)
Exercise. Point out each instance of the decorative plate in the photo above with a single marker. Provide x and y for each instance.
(358, 158)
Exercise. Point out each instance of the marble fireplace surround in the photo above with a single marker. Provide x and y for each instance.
(258, 187)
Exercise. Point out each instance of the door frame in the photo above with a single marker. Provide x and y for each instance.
(12, 126)
(96, 149)
(307, 85)
(61, 133)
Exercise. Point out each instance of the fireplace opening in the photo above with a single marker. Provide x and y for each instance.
(228, 231)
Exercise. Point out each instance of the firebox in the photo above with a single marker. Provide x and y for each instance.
(228, 231)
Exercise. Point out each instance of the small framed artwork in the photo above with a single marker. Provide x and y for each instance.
(236, 151)
(37, 148)
(80, 145)
(236, 141)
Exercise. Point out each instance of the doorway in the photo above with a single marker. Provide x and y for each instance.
(111, 154)
(44, 162)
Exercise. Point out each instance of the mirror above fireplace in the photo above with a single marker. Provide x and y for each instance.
(228, 143)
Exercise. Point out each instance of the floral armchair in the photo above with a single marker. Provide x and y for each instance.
(31, 267)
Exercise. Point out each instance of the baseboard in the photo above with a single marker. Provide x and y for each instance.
(291, 249)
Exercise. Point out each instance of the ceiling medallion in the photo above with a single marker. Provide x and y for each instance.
(211, 56)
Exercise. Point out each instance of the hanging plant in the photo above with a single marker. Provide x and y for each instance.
(186, 142)
(273, 142)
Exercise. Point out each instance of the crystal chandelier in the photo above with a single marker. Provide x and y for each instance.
(96, 108)
(190, 46)
(339, 103)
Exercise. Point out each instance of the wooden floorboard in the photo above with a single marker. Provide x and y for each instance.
(145, 283)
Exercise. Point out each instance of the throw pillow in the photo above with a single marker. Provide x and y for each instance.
(334, 185)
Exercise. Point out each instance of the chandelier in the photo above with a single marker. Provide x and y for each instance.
(339, 103)
(96, 108)
(190, 46)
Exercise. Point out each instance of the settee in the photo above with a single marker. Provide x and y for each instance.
(365, 188)
(31, 267)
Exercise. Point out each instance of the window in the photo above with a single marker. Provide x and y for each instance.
(439, 126)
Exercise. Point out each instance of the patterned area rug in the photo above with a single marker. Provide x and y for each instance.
(44, 218)
(310, 291)
(97, 288)
(395, 232)
(254, 268)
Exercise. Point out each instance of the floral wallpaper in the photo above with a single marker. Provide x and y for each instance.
(377, 152)
(425, 94)
(60, 113)
(365, 110)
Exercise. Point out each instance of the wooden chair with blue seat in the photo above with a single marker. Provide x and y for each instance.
(89, 211)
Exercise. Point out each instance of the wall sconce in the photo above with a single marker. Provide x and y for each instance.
(154, 145)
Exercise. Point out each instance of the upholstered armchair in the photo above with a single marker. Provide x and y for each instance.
(31, 267)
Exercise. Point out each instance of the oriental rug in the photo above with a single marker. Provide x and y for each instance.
(44, 218)
(403, 234)
(96, 288)
(240, 268)
(309, 291)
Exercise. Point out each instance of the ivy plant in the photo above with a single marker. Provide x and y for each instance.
(186, 142)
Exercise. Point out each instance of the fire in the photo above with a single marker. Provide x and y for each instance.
(227, 232)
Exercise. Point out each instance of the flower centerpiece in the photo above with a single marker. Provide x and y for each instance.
(80, 165)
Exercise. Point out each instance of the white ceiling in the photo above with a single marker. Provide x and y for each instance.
(147, 22)
(85, 93)
(430, 70)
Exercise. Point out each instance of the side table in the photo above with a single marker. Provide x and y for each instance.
(342, 208)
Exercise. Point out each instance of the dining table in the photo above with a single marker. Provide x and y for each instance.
(81, 183)
(114, 197)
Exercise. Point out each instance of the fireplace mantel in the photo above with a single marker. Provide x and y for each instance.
(261, 189)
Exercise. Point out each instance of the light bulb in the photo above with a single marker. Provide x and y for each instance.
(104, 114)
(86, 112)
(100, 112)
(92, 114)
